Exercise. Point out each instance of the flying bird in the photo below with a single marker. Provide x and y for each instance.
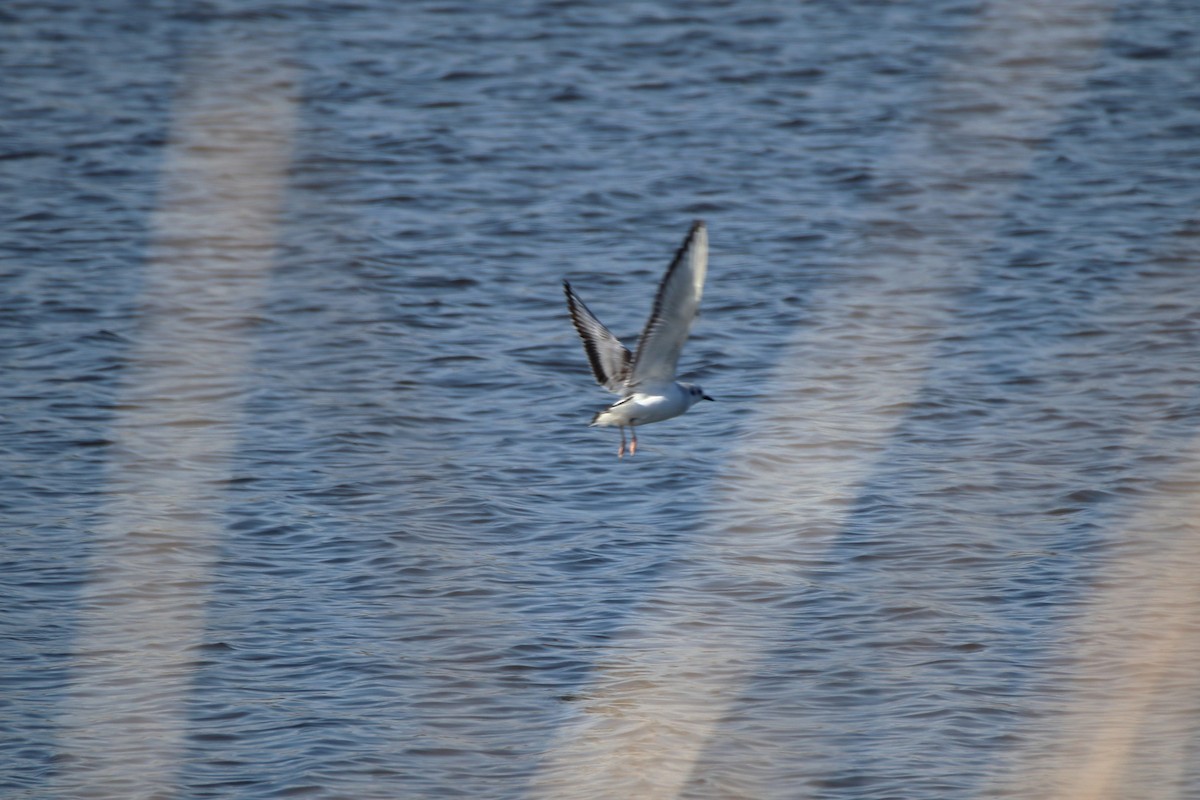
(645, 380)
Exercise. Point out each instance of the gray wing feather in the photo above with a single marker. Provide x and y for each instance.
(609, 358)
(675, 307)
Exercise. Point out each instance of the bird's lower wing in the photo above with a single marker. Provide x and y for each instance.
(609, 358)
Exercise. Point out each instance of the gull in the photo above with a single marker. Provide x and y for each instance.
(646, 380)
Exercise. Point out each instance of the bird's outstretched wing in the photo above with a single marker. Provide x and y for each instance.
(609, 358)
(675, 307)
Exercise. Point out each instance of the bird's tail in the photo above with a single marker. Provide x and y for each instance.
(604, 417)
(607, 417)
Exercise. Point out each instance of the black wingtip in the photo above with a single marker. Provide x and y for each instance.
(570, 295)
(572, 302)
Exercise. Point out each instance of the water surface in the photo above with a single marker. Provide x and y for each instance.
(298, 493)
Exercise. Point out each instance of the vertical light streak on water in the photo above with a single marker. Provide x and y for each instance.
(1103, 730)
(649, 713)
(1132, 680)
(142, 610)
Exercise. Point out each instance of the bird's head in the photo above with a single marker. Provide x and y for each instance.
(695, 393)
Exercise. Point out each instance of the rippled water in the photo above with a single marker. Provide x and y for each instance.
(298, 496)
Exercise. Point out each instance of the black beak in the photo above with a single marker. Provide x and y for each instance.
(706, 397)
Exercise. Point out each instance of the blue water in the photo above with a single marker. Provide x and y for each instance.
(296, 489)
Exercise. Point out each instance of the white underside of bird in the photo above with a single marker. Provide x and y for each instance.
(649, 404)
(646, 381)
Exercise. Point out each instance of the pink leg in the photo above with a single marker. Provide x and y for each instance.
(633, 445)
(621, 451)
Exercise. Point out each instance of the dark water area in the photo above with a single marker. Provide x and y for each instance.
(297, 495)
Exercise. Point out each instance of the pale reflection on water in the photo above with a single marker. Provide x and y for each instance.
(1123, 730)
(176, 428)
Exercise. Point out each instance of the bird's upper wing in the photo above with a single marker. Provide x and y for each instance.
(609, 358)
(674, 309)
